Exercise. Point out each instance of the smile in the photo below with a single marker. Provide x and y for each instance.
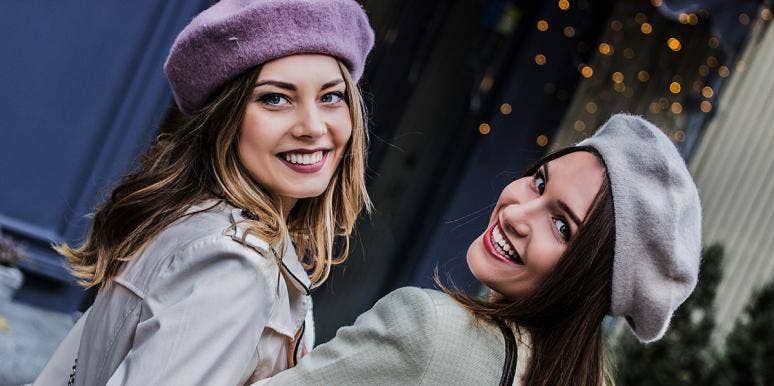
(304, 161)
(498, 245)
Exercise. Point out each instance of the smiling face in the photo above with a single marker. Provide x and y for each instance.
(533, 222)
(296, 126)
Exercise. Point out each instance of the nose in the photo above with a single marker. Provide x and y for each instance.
(521, 229)
(518, 218)
(310, 123)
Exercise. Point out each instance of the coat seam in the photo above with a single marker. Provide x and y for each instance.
(129, 286)
(103, 361)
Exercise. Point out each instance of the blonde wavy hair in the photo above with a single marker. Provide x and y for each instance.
(195, 158)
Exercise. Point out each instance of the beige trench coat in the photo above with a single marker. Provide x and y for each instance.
(197, 307)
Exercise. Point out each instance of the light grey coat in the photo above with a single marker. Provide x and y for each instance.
(197, 307)
(410, 337)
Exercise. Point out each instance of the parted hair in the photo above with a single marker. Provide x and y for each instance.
(564, 314)
(195, 158)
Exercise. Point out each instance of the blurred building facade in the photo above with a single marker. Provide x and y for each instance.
(733, 165)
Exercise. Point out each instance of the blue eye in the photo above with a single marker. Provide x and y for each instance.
(273, 99)
(563, 229)
(540, 182)
(332, 97)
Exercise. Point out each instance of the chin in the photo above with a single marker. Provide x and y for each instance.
(482, 267)
(299, 192)
(475, 261)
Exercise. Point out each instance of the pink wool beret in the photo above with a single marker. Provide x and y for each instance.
(233, 36)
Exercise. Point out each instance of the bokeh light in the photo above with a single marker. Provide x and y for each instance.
(674, 44)
(605, 49)
(484, 128)
(675, 87)
(587, 71)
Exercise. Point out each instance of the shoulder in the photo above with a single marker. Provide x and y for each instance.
(434, 304)
(205, 242)
(417, 299)
(418, 310)
(424, 299)
(423, 304)
(405, 317)
(201, 221)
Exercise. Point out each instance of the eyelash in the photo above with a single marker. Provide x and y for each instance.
(539, 176)
(338, 94)
(265, 98)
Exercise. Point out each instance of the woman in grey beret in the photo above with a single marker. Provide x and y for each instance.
(204, 255)
(610, 226)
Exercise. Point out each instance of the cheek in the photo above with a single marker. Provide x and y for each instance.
(544, 253)
(341, 129)
(257, 140)
(261, 129)
(250, 142)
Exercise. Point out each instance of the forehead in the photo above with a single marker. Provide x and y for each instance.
(575, 178)
(302, 67)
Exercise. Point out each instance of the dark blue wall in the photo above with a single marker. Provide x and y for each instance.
(82, 89)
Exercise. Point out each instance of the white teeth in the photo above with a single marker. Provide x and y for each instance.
(304, 159)
(501, 243)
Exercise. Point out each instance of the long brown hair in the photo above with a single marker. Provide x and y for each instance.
(564, 314)
(195, 158)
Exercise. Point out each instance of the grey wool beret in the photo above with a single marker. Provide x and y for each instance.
(233, 36)
(657, 223)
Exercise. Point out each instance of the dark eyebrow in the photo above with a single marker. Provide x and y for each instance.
(573, 217)
(562, 205)
(331, 83)
(276, 83)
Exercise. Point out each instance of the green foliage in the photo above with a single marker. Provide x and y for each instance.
(685, 355)
(749, 350)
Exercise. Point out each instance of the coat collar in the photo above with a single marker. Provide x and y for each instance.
(291, 301)
(290, 266)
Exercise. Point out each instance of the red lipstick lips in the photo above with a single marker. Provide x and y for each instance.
(488, 244)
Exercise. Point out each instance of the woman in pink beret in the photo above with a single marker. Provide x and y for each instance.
(204, 255)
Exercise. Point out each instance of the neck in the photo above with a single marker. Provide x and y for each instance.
(287, 204)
